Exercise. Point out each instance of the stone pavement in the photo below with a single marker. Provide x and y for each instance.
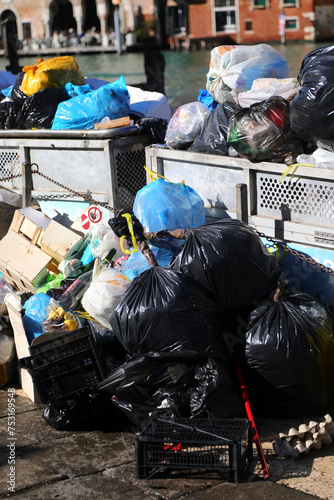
(100, 461)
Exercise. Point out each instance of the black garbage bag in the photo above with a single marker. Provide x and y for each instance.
(78, 411)
(263, 132)
(178, 384)
(164, 310)
(213, 136)
(156, 127)
(38, 110)
(229, 259)
(17, 95)
(8, 115)
(312, 108)
(290, 356)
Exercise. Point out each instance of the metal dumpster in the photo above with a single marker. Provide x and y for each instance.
(105, 165)
(298, 210)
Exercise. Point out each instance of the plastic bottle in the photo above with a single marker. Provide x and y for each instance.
(71, 297)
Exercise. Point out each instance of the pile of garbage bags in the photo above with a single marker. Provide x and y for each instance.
(252, 109)
(172, 332)
(54, 94)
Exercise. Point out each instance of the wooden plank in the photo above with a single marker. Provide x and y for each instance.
(118, 122)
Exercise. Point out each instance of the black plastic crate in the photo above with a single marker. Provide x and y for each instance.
(66, 364)
(222, 445)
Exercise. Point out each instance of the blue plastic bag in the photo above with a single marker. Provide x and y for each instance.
(35, 314)
(167, 205)
(75, 90)
(83, 111)
(137, 263)
(7, 92)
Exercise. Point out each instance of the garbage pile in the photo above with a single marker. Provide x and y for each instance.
(252, 109)
(54, 94)
(154, 312)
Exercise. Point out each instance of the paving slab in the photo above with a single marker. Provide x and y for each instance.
(100, 460)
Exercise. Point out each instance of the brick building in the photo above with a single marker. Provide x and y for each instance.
(252, 21)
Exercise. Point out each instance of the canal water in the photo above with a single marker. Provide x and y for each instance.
(185, 72)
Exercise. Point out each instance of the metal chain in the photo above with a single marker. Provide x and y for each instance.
(10, 178)
(54, 196)
(75, 193)
(85, 197)
(310, 260)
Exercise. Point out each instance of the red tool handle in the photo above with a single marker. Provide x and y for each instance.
(249, 412)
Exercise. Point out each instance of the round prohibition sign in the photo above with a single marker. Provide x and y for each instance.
(94, 215)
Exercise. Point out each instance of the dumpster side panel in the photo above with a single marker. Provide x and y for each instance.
(109, 170)
(298, 208)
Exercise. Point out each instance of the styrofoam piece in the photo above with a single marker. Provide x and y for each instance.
(305, 438)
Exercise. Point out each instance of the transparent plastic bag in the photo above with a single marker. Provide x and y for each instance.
(263, 132)
(103, 239)
(321, 158)
(104, 292)
(7, 348)
(263, 88)
(185, 124)
(59, 320)
(233, 69)
(5, 289)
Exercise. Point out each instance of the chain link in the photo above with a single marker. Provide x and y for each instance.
(54, 196)
(85, 197)
(310, 260)
(10, 178)
(285, 247)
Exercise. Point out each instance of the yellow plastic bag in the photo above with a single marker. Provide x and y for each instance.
(54, 72)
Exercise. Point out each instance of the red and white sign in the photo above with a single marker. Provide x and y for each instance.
(85, 222)
(90, 217)
(94, 215)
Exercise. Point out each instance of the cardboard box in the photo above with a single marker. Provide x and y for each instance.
(53, 238)
(30, 223)
(33, 247)
(23, 262)
(13, 303)
(60, 242)
(27, 384)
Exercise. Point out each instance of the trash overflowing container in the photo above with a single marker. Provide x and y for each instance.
(217, 234)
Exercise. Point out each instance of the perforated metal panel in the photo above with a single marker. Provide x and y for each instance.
(130, 174)
(304, 200)
(9, 163)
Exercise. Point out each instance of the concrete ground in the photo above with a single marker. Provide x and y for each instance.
(100, 462)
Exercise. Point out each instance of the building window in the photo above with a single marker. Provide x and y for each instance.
(249, 25)
(225, 14)
(290, 3)
(260, 4)
(26, 30)
(291, 24)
